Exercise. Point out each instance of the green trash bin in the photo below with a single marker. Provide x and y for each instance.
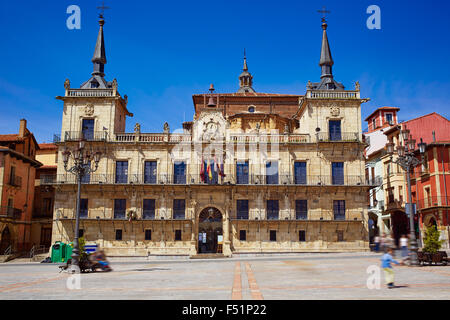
(58, 251)
(68, 251)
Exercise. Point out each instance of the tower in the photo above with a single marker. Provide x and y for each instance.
(245, 79)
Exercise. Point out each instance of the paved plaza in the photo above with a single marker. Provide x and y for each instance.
(276, 277)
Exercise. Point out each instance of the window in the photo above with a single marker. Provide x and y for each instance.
(400, 193)
(272, 210)
(242, 209)
(178, 208)
(148, 234)
(12, 175)
(251, 109)
(84, 208)
(337, 173)
(87, 129)
(177, 235)
(374, 124)
(121, 171)
(335, 130)
(340, 235)
(150, 172)
(47, 205)
(119, 208)
(118, 234)
(148, 209)
(390, 118)
(80, 233)
(272, 172)
(242, 172)
(301, 209)
(300, 172)
(179, 172)
(339, 209)
(242, 235)
(301, 235)
(273, 235)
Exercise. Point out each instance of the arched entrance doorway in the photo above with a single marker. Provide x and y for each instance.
(209, 230)
(6, 240)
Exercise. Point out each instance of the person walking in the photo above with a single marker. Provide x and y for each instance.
(386, 264)
(404, 246)
(377, 243)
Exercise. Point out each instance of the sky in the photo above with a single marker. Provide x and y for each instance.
(163, 52)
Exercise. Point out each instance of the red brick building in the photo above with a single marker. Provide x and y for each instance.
(17, 173)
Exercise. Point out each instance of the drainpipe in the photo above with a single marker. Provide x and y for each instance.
(446, 199)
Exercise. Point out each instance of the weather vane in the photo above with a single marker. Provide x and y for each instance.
(103, 8)
(323, 12)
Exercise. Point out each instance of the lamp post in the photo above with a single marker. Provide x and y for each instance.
(81, 167)
(408, 161)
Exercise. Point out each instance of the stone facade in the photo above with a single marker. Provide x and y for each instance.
(250, 142)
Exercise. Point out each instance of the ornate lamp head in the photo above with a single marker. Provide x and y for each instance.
(405, 134)
(66, 155)
(412, 145)
(422, 146)
(401, 151)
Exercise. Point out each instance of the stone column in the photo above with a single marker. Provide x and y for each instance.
(226, 232)
(194, 224)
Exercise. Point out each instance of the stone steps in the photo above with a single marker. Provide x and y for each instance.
(208, 256)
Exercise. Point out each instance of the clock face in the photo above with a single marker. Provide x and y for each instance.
(211, 126)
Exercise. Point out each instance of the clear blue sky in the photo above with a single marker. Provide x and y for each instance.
(162, 52)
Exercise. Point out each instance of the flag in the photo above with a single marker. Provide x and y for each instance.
(202, 171)
(208, 169)
(222, 174)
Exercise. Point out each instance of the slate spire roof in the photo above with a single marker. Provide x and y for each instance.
(99, 58)
(326, 64)
(97, 80)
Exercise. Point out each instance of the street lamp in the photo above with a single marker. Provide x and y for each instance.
(81, 167)
(407, 160)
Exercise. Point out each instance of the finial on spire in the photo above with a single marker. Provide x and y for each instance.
(102, 8)
(245, 79)
(324, 12)
(245, 62)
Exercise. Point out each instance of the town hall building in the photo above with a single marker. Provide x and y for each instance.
(252, 173)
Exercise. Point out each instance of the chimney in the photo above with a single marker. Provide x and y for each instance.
(22, 128)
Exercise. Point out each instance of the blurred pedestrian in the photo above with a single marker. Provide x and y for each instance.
(404, 246)
(386, 261)
(377, 243)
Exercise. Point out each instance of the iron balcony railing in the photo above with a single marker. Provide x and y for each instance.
(10, 212)
(198, 179)
(15, 181)
(337, 137)
(432, 202)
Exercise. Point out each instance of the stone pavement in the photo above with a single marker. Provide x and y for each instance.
(277, 277)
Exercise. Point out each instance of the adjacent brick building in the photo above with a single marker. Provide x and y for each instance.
(17, 173)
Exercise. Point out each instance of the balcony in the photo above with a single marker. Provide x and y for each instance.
(80, 135)
(15, 181)
(433, 202)
(327, 94)
(338, 137)
(10, 212)
(196, 179)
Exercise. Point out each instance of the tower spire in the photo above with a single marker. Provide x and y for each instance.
(99, 58)
(326, 62)
(245, 62)
(245, 78)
